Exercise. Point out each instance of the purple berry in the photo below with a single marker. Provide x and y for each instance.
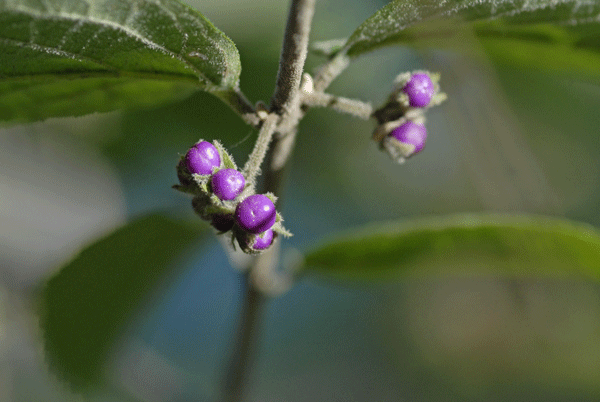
(419, 89)
(221, 222)
(202, 158)
(227, 184)
(255, 214)
(263, 242)
(411, 133)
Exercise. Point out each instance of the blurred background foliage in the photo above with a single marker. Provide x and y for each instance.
(506, 140)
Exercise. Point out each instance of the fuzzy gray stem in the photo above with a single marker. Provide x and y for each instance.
(293, 56)
(329, 71)
(285, 104)
(340, 104)
(252, 167)
(238, 102)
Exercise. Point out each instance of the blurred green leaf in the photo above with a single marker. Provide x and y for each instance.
(501, 25)
(497, 245)
(86, 305)
(557, 48)
(72, 57)
(567, 50)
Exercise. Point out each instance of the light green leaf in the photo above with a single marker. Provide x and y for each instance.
(72, 57)
(496, 245)
(494, 19)
(87, 304)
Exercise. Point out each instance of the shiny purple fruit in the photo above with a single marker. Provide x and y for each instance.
(202, 158)
(263, 242)
(411, 133)
(256, 214)
(419, 89)
(227, 184)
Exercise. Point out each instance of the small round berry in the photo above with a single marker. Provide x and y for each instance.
(202, 158)
(227, 184)
(221, 222)
(263, 242)
(411, 133)
(419, 89)
(256, 214)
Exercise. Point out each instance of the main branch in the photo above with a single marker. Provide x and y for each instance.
(247, 336)
(285, 103)
(293, 56)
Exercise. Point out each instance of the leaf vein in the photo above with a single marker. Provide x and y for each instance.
(54, 51)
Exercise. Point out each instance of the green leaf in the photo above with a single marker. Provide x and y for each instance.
(566, 50)
(498, 245)
(72, 57)
(86, 305)
(389, 25)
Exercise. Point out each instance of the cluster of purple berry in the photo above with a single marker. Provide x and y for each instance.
(223, 198)
(401, 131)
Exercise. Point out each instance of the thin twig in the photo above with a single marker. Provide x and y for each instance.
(240, 105)
(329, 71)
(340, 104)
(252, 167)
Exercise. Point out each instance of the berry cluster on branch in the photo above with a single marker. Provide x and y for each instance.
(401, 128)
(226, 197)
(223, 197)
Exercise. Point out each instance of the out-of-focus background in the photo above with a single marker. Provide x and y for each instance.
(506, 140)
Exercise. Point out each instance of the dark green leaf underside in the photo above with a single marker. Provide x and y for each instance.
(497, 245)
(383, 27)
(86, 305)
(39, 98)
(162, 40)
